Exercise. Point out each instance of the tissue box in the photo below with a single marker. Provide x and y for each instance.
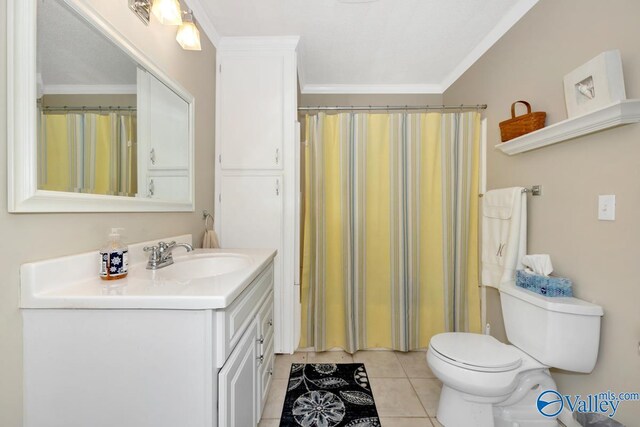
(548, 286)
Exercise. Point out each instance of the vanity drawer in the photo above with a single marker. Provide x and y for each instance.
(234, 320)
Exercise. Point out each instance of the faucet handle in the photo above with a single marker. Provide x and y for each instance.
(154, 251)
(164, 246)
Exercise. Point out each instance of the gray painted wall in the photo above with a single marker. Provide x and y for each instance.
(529, 63)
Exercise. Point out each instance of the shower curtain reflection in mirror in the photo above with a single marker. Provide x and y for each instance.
(88, 152)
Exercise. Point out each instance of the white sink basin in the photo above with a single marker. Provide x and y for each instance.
(199, 266)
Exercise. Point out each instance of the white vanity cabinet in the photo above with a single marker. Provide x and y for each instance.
(257, 163)
(151, 367)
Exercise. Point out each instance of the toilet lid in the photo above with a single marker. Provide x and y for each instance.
(476, 351)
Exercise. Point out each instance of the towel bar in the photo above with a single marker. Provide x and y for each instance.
(535, 190)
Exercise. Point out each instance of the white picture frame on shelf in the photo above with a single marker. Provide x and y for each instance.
(594, 85)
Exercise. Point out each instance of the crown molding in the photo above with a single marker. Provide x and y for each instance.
(203, 19)
(371, 89)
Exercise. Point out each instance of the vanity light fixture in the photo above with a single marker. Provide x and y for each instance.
(168, 12)
(188, 35)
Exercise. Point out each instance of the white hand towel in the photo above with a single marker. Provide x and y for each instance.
(210, 239)
(539, 264)
(504, 234)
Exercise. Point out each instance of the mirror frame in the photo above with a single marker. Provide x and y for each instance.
(23, 194)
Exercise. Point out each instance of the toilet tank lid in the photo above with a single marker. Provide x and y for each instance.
(560, 304)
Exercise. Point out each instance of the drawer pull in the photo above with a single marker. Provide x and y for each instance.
(270, 322)
(260, 359)
(261, 339)
(270, 372)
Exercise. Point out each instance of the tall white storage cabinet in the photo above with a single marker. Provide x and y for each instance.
(257, 163)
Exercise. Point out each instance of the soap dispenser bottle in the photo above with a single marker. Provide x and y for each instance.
(114, 257)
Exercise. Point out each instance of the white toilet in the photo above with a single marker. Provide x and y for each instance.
(487, 383)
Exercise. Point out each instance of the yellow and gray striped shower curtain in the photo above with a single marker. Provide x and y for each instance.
(390, 253)
(88, 153)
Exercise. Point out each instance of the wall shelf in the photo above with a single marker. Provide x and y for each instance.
(616, 114)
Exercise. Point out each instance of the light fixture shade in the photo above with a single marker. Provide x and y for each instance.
(188, 36)
(168, 12)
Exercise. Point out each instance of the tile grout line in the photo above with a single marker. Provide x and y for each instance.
(402, 366)
(413, 387)
(418, 397)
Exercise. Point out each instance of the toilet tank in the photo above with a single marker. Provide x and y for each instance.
(559, 332)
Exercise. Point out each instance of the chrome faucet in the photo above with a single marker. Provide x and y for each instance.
(161, 255)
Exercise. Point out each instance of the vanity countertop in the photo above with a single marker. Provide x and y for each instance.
(72, 282)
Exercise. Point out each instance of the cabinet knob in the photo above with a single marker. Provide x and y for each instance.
(261, 339)
(152, 156)
(152, 188)
(270, 322)
(260, 359)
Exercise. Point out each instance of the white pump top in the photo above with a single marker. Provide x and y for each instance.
(115, 233)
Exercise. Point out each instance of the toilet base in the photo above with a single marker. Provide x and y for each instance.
(455, 410)
(518, 409)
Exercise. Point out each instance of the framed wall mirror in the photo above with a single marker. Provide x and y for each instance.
(93, 124)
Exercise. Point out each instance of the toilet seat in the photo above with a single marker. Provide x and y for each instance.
(476, 352)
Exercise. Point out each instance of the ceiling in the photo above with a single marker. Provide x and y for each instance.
(371, 46)
(74, 57)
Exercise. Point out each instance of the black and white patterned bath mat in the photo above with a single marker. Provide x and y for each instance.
(329, 395)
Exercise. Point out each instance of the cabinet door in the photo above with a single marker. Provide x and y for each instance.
(237, 382)
(251, 111)
(169, 130)
(251, 212)
(174, 188)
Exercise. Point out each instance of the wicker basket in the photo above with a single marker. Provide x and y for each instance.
(518, 126)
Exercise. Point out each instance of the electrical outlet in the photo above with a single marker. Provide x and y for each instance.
(607, 207)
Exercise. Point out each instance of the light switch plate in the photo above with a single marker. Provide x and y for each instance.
(607, 207)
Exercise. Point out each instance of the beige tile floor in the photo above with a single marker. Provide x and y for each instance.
(405, 390)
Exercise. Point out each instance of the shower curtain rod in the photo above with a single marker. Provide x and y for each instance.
(89, 109)
(394, 107)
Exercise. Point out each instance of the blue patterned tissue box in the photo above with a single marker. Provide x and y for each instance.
(548, 286)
